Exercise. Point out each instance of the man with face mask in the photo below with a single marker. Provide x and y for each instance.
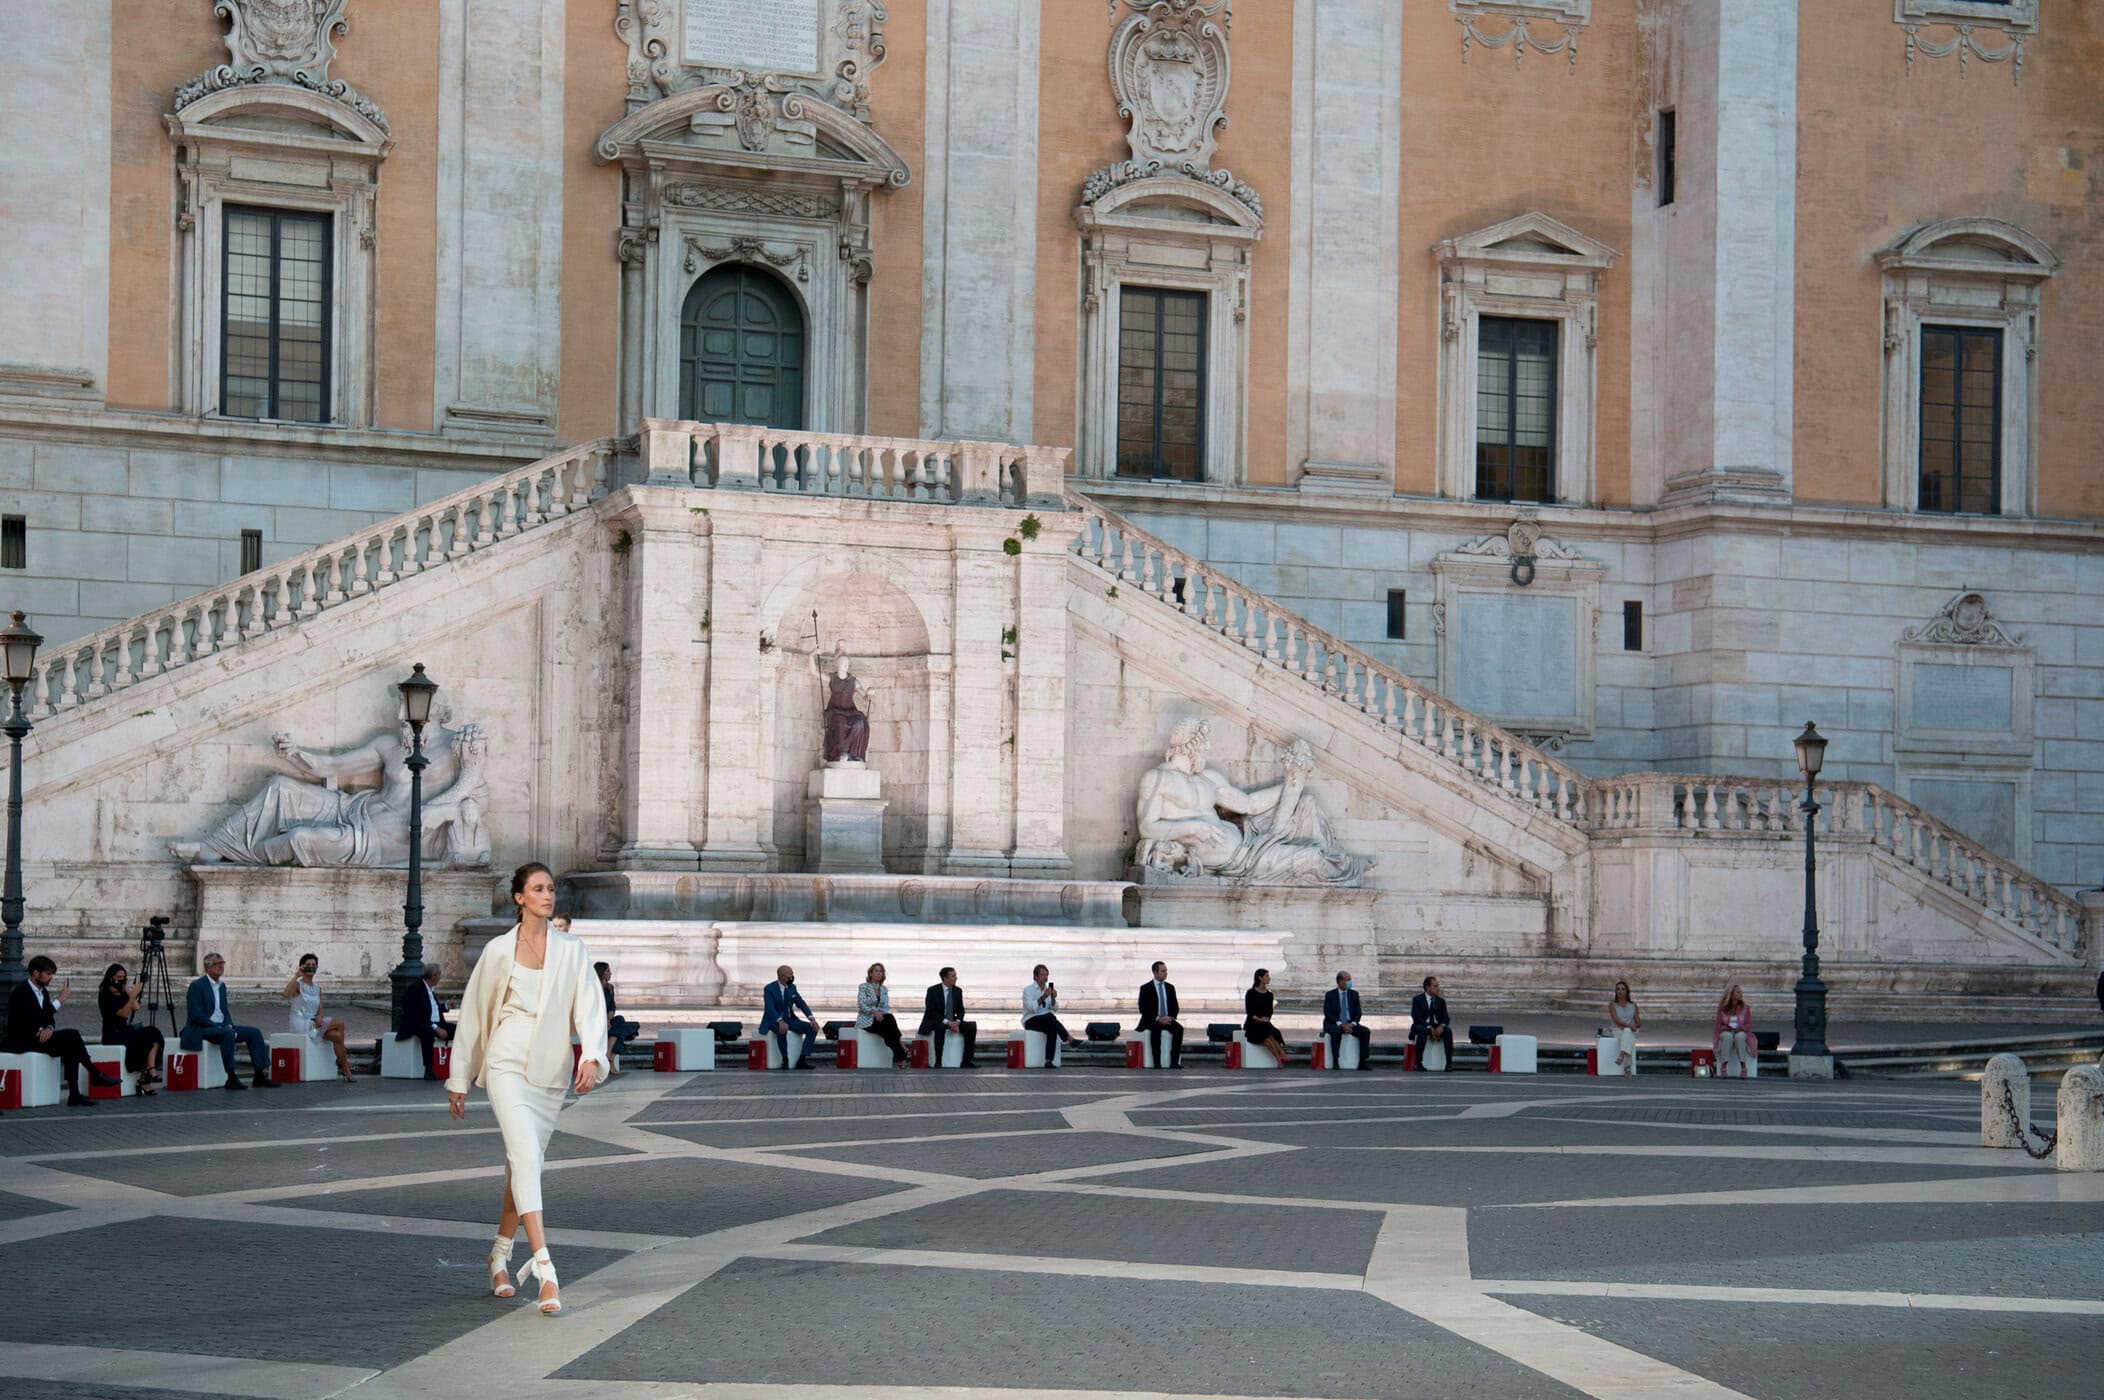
(1340, 1018)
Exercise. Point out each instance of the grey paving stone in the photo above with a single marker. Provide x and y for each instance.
(330, 1297)
(122, 1130)
(1063, 1226)
(998, 1329)
(2007, 1250)
(444, 1148)
(1819, 1352)
(1470, 1178)
(1425, 1131)
(689, 1196)
(1016, 1156)
(792, 1132)
(13, 1388)
(13, 1207)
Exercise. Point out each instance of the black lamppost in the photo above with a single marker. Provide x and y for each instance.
(18, 654)
(416, 708)
(1809, 1057)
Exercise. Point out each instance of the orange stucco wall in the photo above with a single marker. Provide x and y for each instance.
(1881, 153)
(897, 99)
(595, 96)
(1473, 155)
(391, 54)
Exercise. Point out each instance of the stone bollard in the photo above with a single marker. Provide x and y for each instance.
(1997, 1127)
(2081, 1110)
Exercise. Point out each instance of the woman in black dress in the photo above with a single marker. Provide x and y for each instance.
(1257, 1004)
(117, 999)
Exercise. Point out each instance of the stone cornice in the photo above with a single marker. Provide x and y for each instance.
(180, 432)
(1582, 522)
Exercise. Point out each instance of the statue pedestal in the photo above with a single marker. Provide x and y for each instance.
(844, 822)
(263, 917)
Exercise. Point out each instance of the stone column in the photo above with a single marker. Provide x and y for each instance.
(736, 800)
(1041, 702)
(1347, 159)
(979, 238)
(665, 668)
(979, 748)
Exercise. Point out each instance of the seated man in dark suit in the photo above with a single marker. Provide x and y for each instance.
(943, 1015)
(619, 1029)
(1340, 1018)
(32, 1029)
(776, 1014)
(1429, 1021)
(1158, 1021)
(424, 1018)
(210, 1020)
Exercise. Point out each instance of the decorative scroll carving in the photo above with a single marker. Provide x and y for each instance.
(1522, 538)
(1971, 19)
(747, 199)
(746, 249)
(1965, 621)
(281, 41)
(850, 46)
(1169, 71)
(1568, 15)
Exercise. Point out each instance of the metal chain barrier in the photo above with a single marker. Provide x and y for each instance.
(2026, 1131)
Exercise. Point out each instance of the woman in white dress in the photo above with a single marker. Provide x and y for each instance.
(304, 1016)
(1622, 1013)
(531, 991)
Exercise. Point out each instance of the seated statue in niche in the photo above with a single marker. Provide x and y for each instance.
(308, 819)
(1193, 821)
(846, 722)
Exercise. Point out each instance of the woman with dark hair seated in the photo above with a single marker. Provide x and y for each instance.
(619, 1029)
(118, 1001)
(1257, 1006)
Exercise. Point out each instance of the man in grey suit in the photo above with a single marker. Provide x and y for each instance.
(211, 1020)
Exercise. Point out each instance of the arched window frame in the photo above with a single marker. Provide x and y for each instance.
(1964, 272)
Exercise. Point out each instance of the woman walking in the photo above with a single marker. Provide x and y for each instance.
(532, 989)
(305, 1018)
(873, 1014)
(1257, 1005)
(1623, 1015)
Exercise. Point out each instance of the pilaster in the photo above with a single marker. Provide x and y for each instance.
(665, 566)
(980, 744)
(735, 797)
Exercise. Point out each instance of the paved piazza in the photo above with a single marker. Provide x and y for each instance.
(1081, 1232)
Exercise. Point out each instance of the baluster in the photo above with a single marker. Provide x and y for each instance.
(1506, 766)
(1329, 671)
(1252, 625)
(1216, 621)
(1471, 756)
(360, 584)
(97, 686)
(1564, 806)
(335, 593)
(1448, 745)
(1196, 592)
(1271, 638)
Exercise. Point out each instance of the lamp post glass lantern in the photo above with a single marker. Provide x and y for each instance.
(417, 692)
(18, 655)
(1809, 1057)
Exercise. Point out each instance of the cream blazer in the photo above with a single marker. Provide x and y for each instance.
(571, 1002)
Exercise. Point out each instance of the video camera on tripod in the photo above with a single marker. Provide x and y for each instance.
(156, 988)
(154, 934)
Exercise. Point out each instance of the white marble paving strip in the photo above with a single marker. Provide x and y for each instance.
(301, 1190)
(2074, 1188)
(174, 1370)
(1905, 1156)
(1914, 1136)
(479, 1231)
(1568, 1354)
(1040, 1264)
(179, 1148)
(1224, 1198)
(1420, 1246)
(1837, 1297)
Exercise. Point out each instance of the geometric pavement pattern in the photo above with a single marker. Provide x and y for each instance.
(1072, 1233)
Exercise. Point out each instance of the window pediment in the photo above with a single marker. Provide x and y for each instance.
(1990, 246)
(1178, 200)
(1530, 240)
(746, 129)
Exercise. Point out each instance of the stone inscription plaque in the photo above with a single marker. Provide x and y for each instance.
(762, 36)
(1974, 699)
(1515, 656)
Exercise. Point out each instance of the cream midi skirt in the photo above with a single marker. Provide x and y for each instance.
(525, 1112)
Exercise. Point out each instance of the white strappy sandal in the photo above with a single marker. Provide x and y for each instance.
(499, 1264)
(540, 1268)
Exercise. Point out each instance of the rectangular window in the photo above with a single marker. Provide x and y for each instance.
(1632, 625)
(14, 542)
(1515, 409)
(251, 551)
(1398, 622)
(274, 316)
(1668, 154)
(1961, 419)
(1161, 384)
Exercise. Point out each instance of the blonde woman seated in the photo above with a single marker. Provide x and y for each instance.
(873, 1014)
(1733, 1036)
(532, 990)
(305, 1018)
(1623, 1015)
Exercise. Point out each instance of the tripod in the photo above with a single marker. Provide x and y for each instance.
(156, 988)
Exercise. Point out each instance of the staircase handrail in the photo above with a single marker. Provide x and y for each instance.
(282, 595)
(1853, 812)
(859, 466)
(1485, 751)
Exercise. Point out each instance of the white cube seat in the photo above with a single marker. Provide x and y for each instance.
(774, 1049)
(952, 1050)
(317, 1058)
(687, 1048)
(399, 1059)
(1145, 1040)
(32, 1080)
(870, 1050)
(1605, 1048)
(1517, 1054)
(102, 1056)
(208, 1071)
(1255, 1056)
(1033, 1043)
(1347, 1056)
